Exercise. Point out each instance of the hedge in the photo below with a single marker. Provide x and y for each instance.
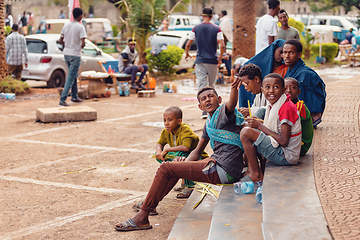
(328, 50)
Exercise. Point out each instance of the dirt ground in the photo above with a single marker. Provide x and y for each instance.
(76, 180)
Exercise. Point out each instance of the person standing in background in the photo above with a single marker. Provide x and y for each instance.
(208, 36)
(62, 15)
(226, 27)
(266, 27)
(16, 51)
(73, 37)
(23, 22)
(9, 21)
(286, 32)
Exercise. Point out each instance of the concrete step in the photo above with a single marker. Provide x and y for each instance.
(236, 217)
(194, 224)
(63, 114)
(291, 206)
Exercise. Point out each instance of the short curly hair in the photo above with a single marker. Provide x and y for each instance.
(251, 71)
(278, 76)
(176, 110)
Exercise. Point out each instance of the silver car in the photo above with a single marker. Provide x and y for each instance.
(47, 63)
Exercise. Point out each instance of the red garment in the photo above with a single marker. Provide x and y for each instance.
(282, 70)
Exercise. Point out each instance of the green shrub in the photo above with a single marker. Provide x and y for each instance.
(11, 85)
(115, 30)
(166, 60)
(7, 30)
(328, 50)
(296, 24)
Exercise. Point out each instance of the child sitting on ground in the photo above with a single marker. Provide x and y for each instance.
(181, 139)
(251, 78)
(279, 139)
(293, 90)
(223, 166)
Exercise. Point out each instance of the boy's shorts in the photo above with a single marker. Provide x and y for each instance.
(266, 149)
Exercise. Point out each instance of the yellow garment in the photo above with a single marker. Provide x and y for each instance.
(184, 136)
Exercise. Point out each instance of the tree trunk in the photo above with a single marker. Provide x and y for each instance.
(244, 28)
(3, 65)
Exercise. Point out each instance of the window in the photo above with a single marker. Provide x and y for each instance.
(186, 21)
(334, 22)
(192, 46)
(178, 22)
(89, 50)
(36, 46)
(158, 40)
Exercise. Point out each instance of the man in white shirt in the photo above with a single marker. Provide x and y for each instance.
(266, 27)
(73, 37)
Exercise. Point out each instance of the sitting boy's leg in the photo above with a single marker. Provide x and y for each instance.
(165, 179)
(268, 151)
(248, 136)
(169, 173)
(139, 81)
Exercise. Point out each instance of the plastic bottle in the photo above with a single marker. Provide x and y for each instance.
(126, 90)
(258, 195)
(244, 187)
(7, 95)
(120, 88)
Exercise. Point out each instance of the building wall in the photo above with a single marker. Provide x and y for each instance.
(42, 8)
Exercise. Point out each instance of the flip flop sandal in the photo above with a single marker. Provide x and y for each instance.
(185, 193)
(137, 207)
(130, 225)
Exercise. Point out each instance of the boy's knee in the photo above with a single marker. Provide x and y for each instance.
(245, 133)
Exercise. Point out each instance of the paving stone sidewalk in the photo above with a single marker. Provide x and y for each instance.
(337, 159)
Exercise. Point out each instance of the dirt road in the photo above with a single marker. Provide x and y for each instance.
(75, 180)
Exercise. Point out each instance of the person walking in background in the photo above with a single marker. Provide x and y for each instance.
(30, 22)
(16, 50)
(266, 27)
(23, 22)
(208, 36)
(286, 32)
(73, 37)
(226, 27)
(62, 15)
(9, 21)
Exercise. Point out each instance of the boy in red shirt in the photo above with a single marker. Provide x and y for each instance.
(278, 139)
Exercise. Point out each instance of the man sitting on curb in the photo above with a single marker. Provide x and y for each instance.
(126, 65)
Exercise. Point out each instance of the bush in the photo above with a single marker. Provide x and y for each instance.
(7, 30)
(296, 24)
(165, 60)
(328, 50)
(116, 30)
(11, 85)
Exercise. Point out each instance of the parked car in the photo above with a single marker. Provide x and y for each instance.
(97, 29)
(47, 63)
(329, 20)
(179, 39)
(51, 25)
(180, 22)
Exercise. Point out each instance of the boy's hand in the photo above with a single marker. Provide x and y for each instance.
(162, 154)
(244, 111)
(158, 155)
(254, 122)
(235, 80)
(180, 159)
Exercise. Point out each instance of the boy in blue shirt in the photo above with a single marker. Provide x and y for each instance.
(223, 166)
